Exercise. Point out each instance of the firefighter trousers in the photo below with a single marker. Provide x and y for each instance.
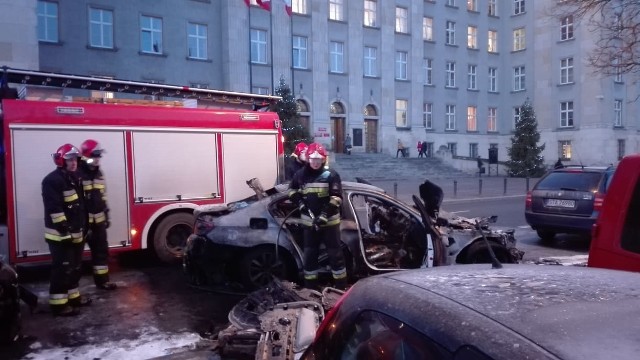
(330, 236)
(66, 260)
(97, 240)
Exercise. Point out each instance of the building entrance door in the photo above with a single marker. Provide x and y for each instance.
(371, 135)
(337, 132)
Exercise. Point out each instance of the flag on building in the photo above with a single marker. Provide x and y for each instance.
(287, 6)
(248, 2)
(265, 4)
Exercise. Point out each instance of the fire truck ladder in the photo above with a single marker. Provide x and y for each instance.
(39, 78)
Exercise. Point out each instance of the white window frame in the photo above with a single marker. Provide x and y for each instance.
(451, 3)
(566, 114)
(427, 66)
(472, 77)
(402, 58)
(299, 7)
(473, 150)
(492, 41)
(617, 113)
(336, 56)
(472, 118)
(100, 28)
(564, 149)
(151, 30)
(261, 90)
(402, 20)
(493, 79)
(519, 78)
(492, 119)
(48, 25)
(402, 114)
(472, 37)
(450, 32)
(519, 39)
(300, 51)
(336, 10)
(518, 7)
(517, 115)
(427, 28)
(370, 61)
(493, 8)
(472, 5)
(450, 74)
(197, 41)
(427, 115)
(566, 28)
(617, 76)
(450, 117)
(566, 70)
(370, 13)
(258, 46)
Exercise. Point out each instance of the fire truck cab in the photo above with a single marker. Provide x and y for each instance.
(162, 158)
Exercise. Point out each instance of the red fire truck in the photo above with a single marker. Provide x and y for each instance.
(163, 158)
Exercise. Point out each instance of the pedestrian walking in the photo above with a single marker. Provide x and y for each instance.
(423, 148)
(347, 145)
(317, 191)
(94, 188)
(400, 148)
(64, 221)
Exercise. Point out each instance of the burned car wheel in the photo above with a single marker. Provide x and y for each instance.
(259, 266)
(478, 253)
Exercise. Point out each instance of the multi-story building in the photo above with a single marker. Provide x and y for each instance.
(450, 72)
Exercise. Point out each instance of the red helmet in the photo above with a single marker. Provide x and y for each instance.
(91, 148)
(65, 152)
(300, 151)
(316, 151)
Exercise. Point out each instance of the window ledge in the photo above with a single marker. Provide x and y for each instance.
(152, 54)
(199, 60)
(566, 84)
(100, 48)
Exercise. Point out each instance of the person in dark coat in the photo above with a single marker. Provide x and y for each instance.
(296, 160)
(559, 164)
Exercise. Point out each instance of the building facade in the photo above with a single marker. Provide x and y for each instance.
(452, 73)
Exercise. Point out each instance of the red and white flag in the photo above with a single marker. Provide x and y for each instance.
(248, 2)
(265, 4)
(287, 6)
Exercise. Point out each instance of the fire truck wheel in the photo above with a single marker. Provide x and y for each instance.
(258, 266)
(170, 237)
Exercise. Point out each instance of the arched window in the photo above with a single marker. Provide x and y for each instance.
(303, 107)
(370, 110)
(336, 108)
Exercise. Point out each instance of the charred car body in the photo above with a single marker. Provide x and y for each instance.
(247, 243)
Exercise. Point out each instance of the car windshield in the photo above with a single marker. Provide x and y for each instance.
(578, 181)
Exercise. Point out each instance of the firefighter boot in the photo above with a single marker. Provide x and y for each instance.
(64, 310)
(80, 301)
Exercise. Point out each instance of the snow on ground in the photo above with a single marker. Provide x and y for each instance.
(152, 343)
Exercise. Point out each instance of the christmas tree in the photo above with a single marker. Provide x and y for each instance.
(525, 159)
(287, 110)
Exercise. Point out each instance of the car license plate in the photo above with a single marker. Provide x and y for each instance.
(561, 203)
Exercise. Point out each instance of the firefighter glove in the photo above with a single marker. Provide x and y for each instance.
(320, 220)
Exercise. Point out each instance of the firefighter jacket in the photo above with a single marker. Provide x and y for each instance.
(320, 191)
(95, 196)
(64, 213)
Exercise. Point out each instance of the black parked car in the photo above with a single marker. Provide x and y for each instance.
(475, 312)
(245, 243)
(567, 200)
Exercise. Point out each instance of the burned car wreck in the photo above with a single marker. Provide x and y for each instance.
(247, 243)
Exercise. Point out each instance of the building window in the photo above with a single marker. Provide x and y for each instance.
(566, 70)
(336, 10)
(101, 28)
(450, 117)
(402, 20)
(258, 46)
(260, 90)
(617, 113)
(621, 149)
(518, 39)
(472, 120)
(453, 148)
(566, 28)
(370, 13)
(472, 5)
(401, 113)
(517, 113)
(197, 40)
(450, 74)
(471, 77)
(47, 21)
(472, 37)
(427, 29)
(493, 79)
(151, 34)
(566, 114)
(370, 61)
(492, 120)
(299, 52)
(427, 115)
(401, 65)
(493, 8)
(617, 70)
(450, 33)
(336, 52)
(473, 150)
(564, 149)
(518, 7)
(299, 7)
(451, 2)
(428, 71)
(493, 41)
(518, 78)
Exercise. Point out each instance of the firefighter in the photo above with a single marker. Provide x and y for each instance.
(317, 191)
(64, 221)
(297, 159)
(93, 185)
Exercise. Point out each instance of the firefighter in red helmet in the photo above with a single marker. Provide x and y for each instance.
(93, 185)
(297, 159)
(317, 191)
(64, 221)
